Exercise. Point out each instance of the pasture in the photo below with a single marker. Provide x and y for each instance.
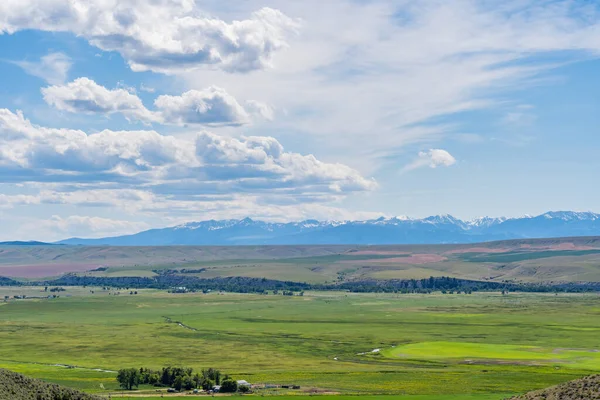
(482, 346)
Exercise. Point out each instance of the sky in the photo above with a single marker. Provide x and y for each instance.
(121, 116)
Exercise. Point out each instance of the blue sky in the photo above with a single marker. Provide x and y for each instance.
(122, 116)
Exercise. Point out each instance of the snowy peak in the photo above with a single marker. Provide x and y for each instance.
(384, 230)
(443, 219)
(571, 216)
(482, 222)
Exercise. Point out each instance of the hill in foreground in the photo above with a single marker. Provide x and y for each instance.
(15, 386)
(587, 388)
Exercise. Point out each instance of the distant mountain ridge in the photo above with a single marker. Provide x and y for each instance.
(437, 229)
(30, 243)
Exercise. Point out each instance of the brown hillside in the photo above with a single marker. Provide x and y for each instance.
(587, 388)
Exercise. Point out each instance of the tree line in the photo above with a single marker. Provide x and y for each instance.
(178, 378)
(263, 285)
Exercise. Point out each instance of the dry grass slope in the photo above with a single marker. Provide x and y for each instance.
(587, 388)
(531, 260)
(15, 386)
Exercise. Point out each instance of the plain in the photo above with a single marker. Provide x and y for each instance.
(483, 345)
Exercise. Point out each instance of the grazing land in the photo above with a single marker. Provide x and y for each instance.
(481, 346)
(528, 261)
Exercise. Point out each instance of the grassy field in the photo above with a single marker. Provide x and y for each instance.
(483, 345)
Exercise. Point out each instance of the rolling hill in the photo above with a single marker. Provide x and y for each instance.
(523, 260)
(587, 388)
(15, 386)
(430, 230)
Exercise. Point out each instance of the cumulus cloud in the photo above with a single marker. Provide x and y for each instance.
(333, 84)
(9, 201)
(162, 35)
(432, 158)
(85, 95)
(53, 67)
(260, 109)
(212, 106)
(210, 164)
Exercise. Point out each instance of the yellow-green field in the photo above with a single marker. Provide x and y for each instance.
(482, 346)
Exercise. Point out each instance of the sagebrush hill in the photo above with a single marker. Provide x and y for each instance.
(587, 388)
(15, 386)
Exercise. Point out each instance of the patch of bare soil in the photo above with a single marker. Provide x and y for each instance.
(320, 391)
(478, 250)
(44, 270)
(558, 247)
(377, 253)
(412, 259)
(503, 362)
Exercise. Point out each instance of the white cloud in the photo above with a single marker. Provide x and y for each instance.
(147, 89)
(162, 35)
(260, 109)
(212, 106)
(211, 164)
(8, 201)
(85, 95)
(433, 158)
(393, 67)
(363, 79)
(53, 67)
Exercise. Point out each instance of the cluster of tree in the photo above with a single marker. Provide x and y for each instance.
(99, 269)
(108, 282)
(289, 293)
(178, 378)
(459, 292)
(231, 284)
(191, 283)
(178, 271)
(58, 289)
(8, 282)
(428, 285)
(440, 284)
(263, 285)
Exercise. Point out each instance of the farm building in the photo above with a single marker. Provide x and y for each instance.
(243, 383)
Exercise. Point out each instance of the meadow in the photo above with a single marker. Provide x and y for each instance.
(481, 346)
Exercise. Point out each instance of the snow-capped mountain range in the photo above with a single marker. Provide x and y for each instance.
(395, 230)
